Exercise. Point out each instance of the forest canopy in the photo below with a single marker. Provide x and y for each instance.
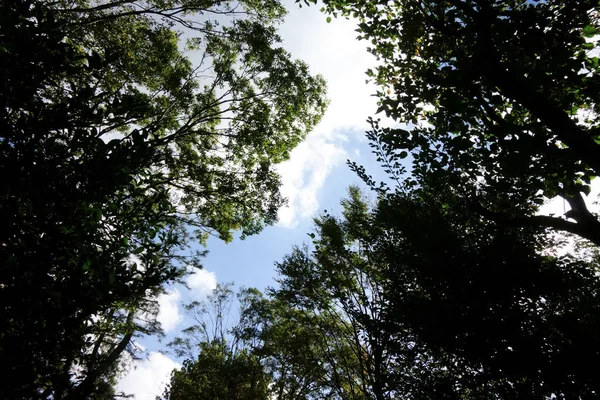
(132, 131)
(117, 150)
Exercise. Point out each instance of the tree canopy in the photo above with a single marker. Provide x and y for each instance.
(132, 129)
(499, 99)
(128, 129)
(405, 298)
(448, 285)
(221, 361)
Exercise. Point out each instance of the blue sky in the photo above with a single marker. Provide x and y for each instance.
(315, 178)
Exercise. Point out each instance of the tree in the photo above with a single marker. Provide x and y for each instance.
(219, 374)
(279, 340)
(219, 363)
(213, 320)
(117, 151)
(343, 283)
(289, 347)
(327, 321)
(338, 289)
(500, 98)
(500, 112)
(468, 308)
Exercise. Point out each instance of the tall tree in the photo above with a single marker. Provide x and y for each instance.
(500, 98)
(116, 151)
(465, 308)
(338, 289)
(513, 319)
(285, 340)
(278, 339)
(501, 113)
(220, 374)
(219, 362)
(213, 320)
(343, 283)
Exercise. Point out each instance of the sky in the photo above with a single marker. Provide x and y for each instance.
(315, 178)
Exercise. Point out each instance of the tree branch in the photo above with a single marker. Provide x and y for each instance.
(554, 117)
(588, 229)
(516, 86)
(86, 387)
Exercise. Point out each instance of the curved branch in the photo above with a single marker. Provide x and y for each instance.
(97, 8)
(588, 229)
(565, 128)
(518, 87)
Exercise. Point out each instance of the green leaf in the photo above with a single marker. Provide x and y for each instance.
(587, 189)
(588, 46)
(589, 31)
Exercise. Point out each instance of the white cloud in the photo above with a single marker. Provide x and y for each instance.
(304, 175)
(332, 51)
(147, 379)
(201, 281)
(168, 314)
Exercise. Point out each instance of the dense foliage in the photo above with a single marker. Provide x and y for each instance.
(409, 299)
(219, 374)
(127, 129)
(219, 362)
(446, 305)
(499, 98)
